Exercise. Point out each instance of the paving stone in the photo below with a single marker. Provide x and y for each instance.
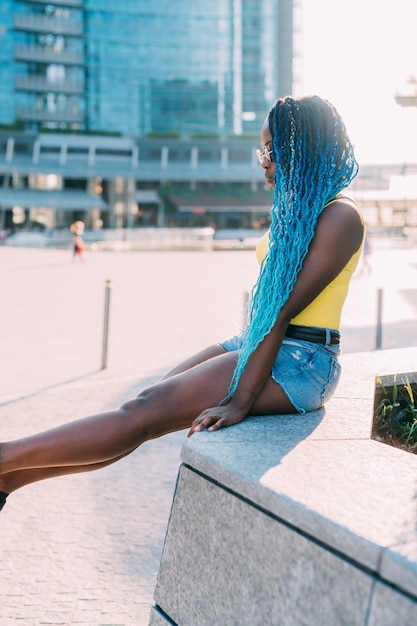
(98, 537)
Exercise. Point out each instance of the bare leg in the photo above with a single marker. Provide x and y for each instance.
(20, 478)
(167, 406)
(196, 359)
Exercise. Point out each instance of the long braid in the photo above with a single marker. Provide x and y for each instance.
(314, 161)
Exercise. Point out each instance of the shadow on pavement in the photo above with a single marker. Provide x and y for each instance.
(37, 392)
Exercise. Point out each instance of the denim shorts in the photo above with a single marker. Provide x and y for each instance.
(307, 372)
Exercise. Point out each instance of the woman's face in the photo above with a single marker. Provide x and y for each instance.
(265, 158)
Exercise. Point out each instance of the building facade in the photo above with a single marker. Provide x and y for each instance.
(137, 68)
(136, 113)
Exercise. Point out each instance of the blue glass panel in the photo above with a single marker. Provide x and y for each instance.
(136, 67)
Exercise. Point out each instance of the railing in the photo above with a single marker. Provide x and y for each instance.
(40, 83)
(43, 115)
(46, 24)
(65, 3)
(48, 55)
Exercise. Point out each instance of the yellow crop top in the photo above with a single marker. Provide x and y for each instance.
(325, 310)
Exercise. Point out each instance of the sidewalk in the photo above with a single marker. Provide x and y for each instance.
(85, 549)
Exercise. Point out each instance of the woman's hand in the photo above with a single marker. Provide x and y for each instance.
(217, 417)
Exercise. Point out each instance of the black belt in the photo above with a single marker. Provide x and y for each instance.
(313, 334)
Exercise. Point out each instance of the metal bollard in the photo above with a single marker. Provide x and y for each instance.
(245, 308)
(106, 324)
(378, 342)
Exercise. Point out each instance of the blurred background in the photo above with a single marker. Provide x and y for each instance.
(128, 129)
(129, 116)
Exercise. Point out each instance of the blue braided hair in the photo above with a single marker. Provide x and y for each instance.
(314, 160)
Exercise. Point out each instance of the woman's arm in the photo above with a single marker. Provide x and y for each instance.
(338, 235)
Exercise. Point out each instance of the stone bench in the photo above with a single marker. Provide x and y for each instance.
(296, 520)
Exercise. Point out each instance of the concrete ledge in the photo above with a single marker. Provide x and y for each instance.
(296, 519)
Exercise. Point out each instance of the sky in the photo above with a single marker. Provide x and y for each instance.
(358, 54)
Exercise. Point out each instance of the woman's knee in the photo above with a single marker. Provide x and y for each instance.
(146, 411)
(143, 400)
(159, 409)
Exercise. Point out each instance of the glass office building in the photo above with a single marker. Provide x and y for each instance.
(138, 68)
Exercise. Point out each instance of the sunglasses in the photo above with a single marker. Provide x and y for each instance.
(264, 154)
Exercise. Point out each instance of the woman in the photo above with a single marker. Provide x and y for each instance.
(286, 360)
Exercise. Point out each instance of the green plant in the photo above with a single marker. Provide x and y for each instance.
(16, 125)
(164, 134)
(395, 414)
(204, 136)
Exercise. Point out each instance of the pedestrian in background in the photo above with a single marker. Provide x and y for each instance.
(77, 229)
